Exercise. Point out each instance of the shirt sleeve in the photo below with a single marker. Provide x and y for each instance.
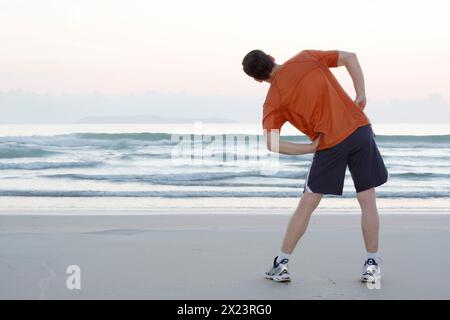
(272, 119)
(328, 58)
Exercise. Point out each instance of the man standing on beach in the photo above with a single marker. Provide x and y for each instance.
(304, 92)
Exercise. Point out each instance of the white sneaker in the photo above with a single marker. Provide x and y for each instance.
(279, 271)
(371, 271)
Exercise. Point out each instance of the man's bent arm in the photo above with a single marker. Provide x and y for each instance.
(274, 144)
(350, 61)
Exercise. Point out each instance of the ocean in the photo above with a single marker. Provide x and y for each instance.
(88, 163)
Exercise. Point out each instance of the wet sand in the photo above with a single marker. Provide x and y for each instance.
(217, 256)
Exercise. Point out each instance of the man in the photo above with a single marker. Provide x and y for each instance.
(304, 92)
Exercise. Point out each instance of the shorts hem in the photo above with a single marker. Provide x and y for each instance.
(339, 193)
(358, 190)
(332, 193)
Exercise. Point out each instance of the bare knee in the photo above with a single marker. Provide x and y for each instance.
(311, 198)
(366, 197)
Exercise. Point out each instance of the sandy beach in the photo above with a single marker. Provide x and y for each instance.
(217, 256)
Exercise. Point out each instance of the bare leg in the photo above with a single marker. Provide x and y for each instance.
(299, 220)
(369, 219)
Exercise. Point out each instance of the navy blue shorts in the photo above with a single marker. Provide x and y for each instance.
(360, 152)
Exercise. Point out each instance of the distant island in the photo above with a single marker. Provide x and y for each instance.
(149, 119)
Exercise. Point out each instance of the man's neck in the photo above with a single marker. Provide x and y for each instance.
(274, 71)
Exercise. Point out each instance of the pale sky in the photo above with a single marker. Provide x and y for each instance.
(197, 46)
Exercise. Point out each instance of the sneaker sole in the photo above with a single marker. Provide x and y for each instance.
(278, 279)
(373, 281)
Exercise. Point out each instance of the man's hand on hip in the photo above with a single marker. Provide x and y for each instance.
(315, 144)
(361, 101)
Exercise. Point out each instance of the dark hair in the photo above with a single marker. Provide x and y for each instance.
(258, 65)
